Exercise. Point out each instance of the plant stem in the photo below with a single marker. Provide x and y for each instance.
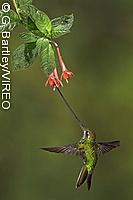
(16, 8)
(71, 110)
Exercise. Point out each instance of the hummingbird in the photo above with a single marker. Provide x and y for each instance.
(87, 149)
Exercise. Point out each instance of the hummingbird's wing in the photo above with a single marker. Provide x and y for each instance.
(82, 176)
(70, 149)
(104, 147)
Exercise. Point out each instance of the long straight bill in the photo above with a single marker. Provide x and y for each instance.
(71, 110)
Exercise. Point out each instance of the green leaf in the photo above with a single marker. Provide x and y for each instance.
(23, 56)
(29, 37)
(24, 12)
(46, 52)
(23, 3)
(8, 21)
(27, 22)
(61, 25)
(30, 24)
(40, 19)
(35, 20)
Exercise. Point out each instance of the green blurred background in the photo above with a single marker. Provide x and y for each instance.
(99, 51)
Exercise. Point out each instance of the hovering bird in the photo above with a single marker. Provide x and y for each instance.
(87, 149)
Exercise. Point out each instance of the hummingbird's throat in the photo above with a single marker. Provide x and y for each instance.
(86, 134)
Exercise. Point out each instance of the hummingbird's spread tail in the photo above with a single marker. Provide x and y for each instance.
(89, 179)
(84, 176)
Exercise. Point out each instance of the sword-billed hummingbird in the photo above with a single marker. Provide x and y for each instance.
(87, 149)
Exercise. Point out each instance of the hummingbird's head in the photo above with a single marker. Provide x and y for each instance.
(86, 134)
(89, 135)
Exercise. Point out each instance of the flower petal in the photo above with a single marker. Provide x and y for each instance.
(66, 75)
(53, 80)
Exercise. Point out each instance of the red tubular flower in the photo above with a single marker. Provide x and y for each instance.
(66, 74)
(53, 80)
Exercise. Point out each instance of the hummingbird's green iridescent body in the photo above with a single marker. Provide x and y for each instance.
(88, 145)
(87, 149)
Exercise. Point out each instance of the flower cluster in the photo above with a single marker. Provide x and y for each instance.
(53, 79)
